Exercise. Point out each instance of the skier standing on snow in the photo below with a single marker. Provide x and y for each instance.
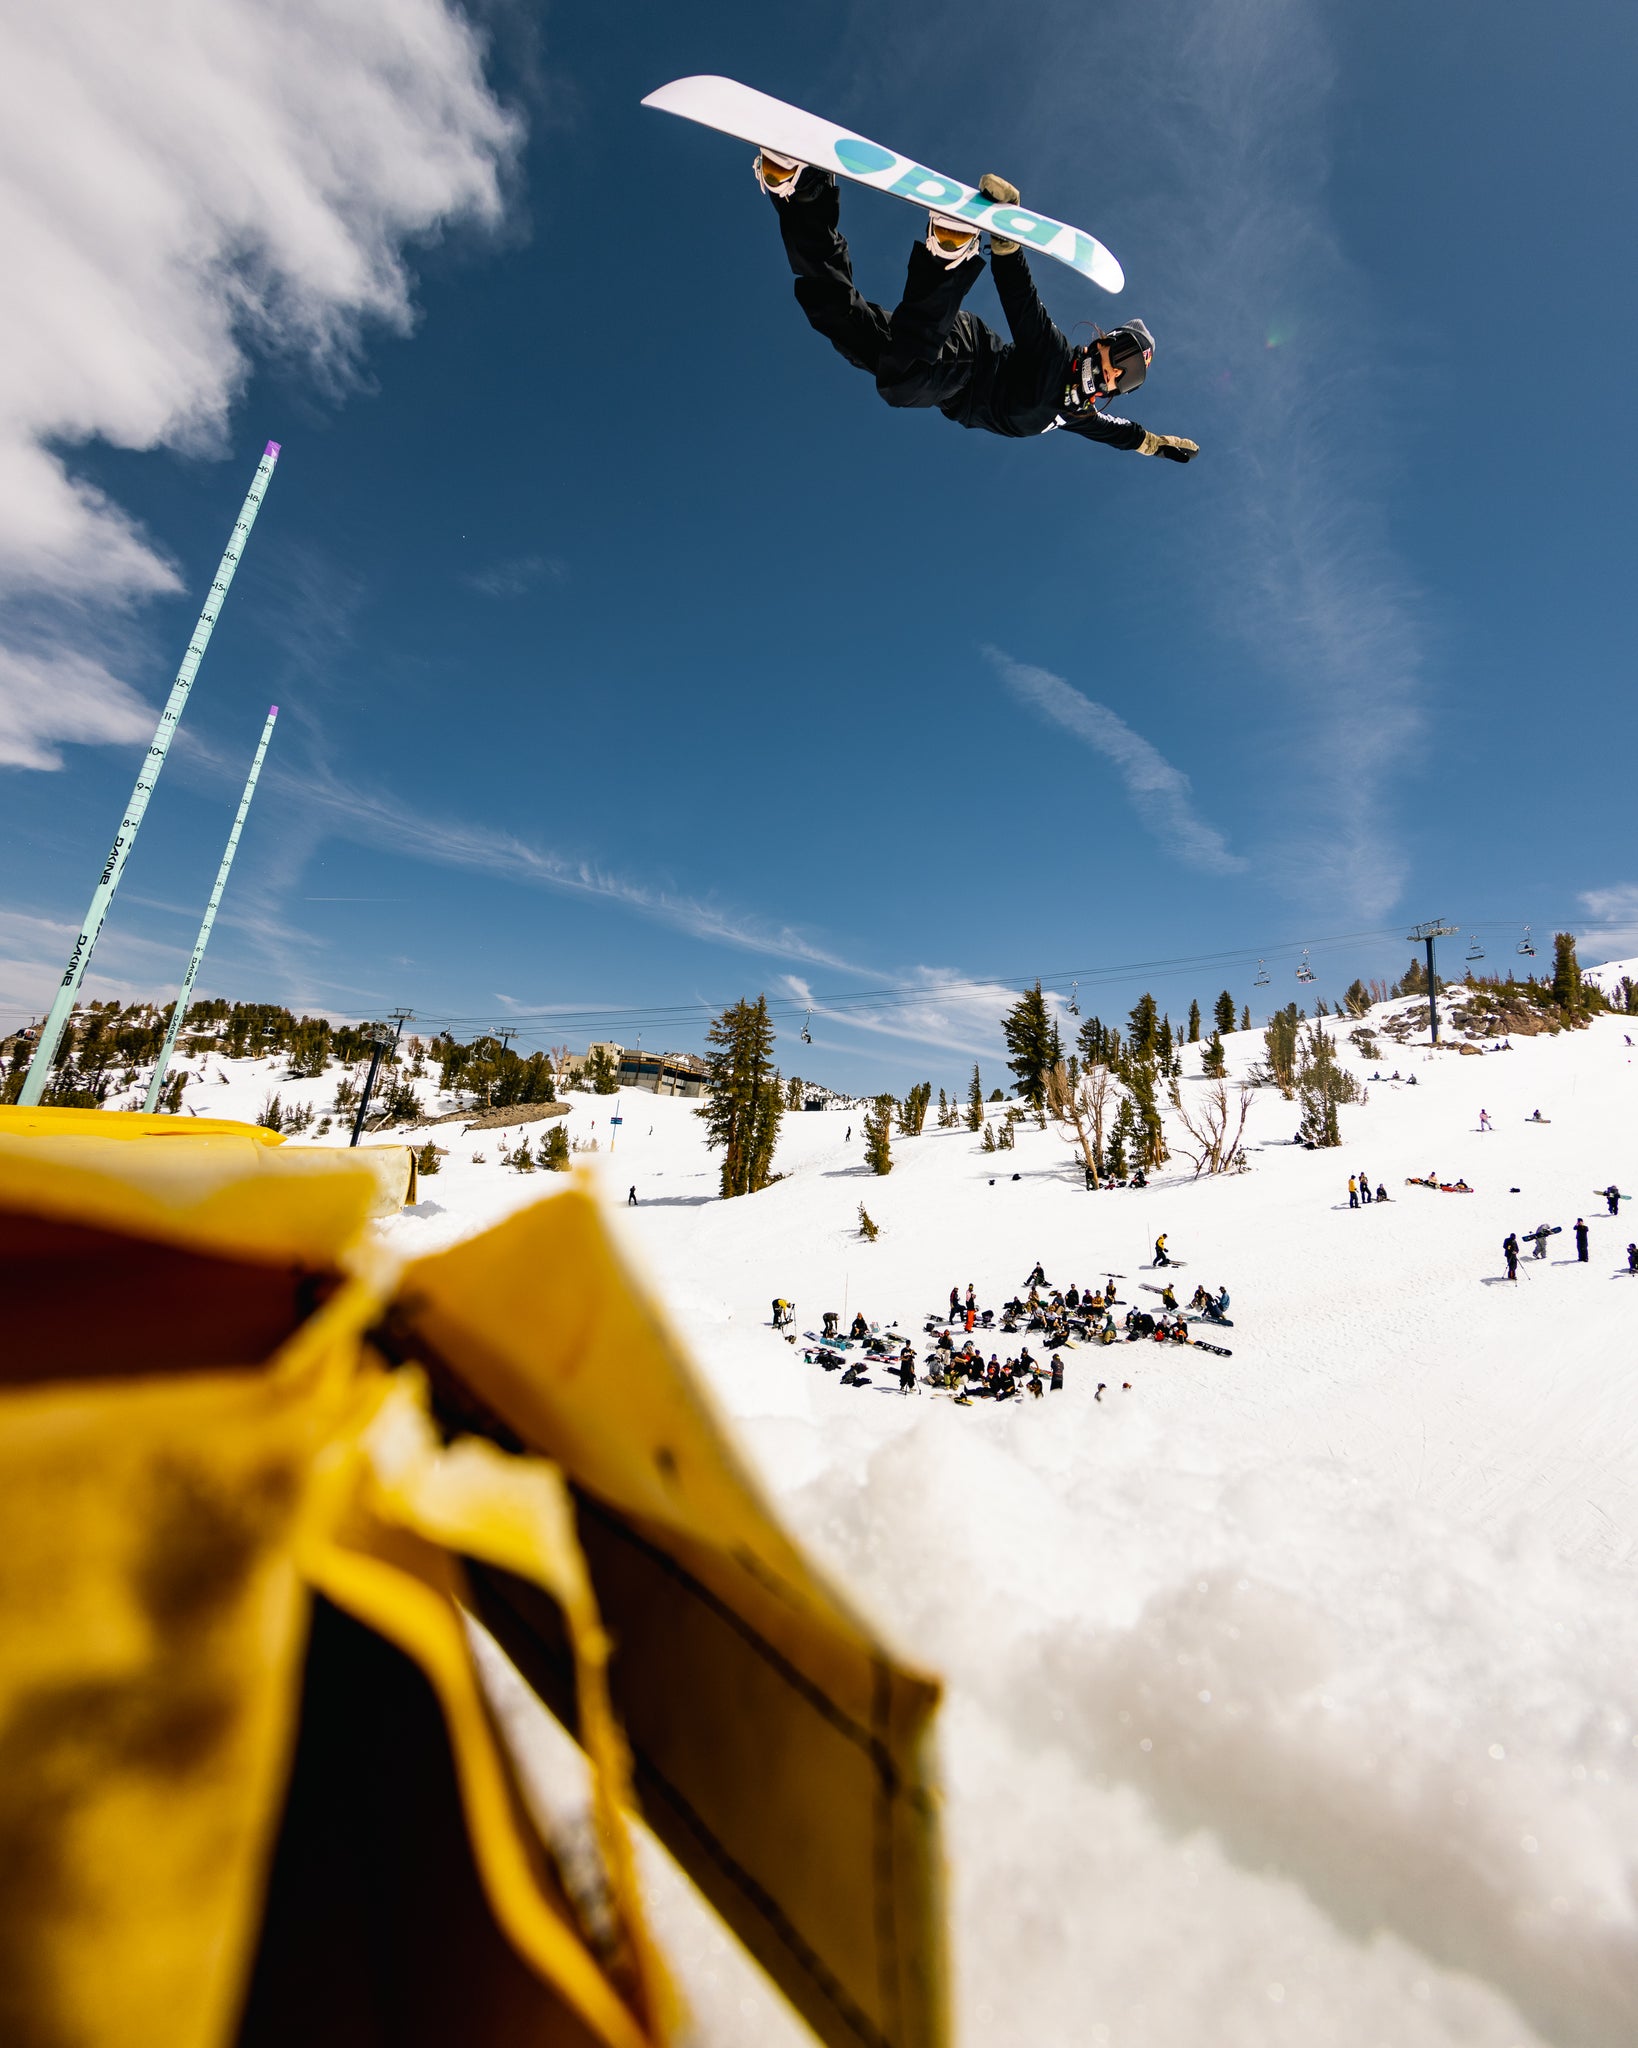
(1057, 1373)
(1353, 1192)
(1510, 1252)
(928, 352)
(1538, 1237)
(1580, 1241)
(1612, 1197)
(1484, 1119)
(1632, 1258)
(1161, 1256)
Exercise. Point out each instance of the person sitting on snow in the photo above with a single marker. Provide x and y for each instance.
(1168, 1296)
(929, 353)
(860, 1327)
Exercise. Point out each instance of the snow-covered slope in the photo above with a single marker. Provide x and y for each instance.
(1293, 1696)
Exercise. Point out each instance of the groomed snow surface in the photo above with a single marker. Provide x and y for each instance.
(1292, 1696)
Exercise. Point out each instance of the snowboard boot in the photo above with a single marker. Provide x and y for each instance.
(993, 187)
(777, 175)
(951, 242)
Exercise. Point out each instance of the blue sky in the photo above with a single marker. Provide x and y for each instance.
(632, 656)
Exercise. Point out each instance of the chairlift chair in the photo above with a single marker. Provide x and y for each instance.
(1074, 992)
(1475, 951)
(1524, 945)
(1260, 980)
(807, 1035)
(1304, 971)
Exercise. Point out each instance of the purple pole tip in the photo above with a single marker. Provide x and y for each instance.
(272, 448)
(272, 710)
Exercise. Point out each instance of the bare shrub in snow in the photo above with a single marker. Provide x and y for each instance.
(1081, 1112)
(1214, 1125)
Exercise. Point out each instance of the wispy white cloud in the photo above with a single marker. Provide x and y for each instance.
(514, 577)
(1162, 793)
(178, 185)
(1613, 918)
(945, 1012)
(1267, 305)
(378, 819)
(34, 950)
(47, 697)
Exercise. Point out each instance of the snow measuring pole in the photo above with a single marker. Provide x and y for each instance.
(185, 993)
(39, 1072)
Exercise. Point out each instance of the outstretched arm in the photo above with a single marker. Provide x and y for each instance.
(1114, 432)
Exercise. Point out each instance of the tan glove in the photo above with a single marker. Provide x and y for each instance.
(993, 187)
(1172, 446)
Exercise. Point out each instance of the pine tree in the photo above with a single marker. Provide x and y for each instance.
(743, 1098)
(1567, 992)
(1214, 1061)
(1030, 1034)
(975, 1103)
(1194, 1023)
(1245, 1016)
(1121, 1136)
(943, 1111)
(878, 1135)
(913, 1109)
(793, 1093)
(1223, 1015)
(1357, 1000)
(600, 1072)
(1145, 1028)
(1151, 1129)
(1280, 1046)
(1322, 1084)
(1163, 1051)
(554, 1150)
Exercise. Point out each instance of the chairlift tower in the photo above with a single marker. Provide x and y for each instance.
(1425, 934)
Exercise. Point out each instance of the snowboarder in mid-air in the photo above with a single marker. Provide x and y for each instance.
(928, 352)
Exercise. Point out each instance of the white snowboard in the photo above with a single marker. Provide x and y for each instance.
(735, 109)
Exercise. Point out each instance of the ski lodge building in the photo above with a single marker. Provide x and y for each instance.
(663, 1073)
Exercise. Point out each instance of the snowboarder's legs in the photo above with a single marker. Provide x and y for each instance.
(819, 260)
(928, 358)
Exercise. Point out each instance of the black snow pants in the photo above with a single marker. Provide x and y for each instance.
(927, 351)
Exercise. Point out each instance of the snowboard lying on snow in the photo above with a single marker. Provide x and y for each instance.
(735, 109)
